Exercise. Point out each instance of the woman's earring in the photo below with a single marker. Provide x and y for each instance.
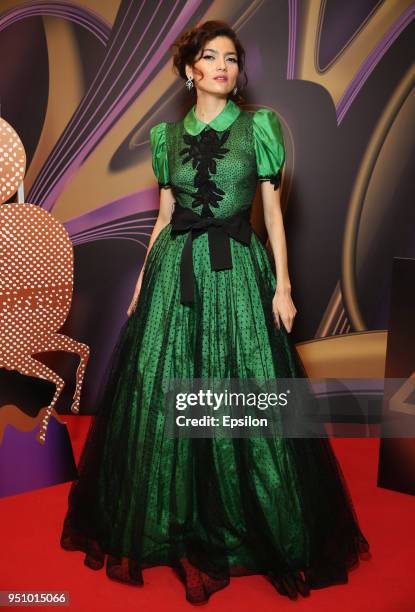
(189, 83)
(234, 90)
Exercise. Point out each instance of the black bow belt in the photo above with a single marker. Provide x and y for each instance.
(219, 231)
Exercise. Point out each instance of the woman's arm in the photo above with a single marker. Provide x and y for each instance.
(282, 304)
(163, 219)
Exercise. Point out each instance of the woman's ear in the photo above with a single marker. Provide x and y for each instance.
(189, 71)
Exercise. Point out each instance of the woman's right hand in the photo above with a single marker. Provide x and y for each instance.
(135, 297)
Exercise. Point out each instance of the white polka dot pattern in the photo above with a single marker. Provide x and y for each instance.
(12, 161)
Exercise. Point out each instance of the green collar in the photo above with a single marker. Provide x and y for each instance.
(226, 117)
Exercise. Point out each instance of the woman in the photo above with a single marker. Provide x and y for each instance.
(207, 304)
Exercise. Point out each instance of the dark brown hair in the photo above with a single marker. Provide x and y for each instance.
(187, 46)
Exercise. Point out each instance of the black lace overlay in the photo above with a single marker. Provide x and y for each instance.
(164, 185)
(203, 150)
(275, 179)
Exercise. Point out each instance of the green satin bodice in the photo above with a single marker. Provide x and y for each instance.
(214, 167)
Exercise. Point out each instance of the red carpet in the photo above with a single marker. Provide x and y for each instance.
(32, 559)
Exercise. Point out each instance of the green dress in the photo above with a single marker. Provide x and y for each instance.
(210, 508)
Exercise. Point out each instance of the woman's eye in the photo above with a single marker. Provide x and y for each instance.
(232, 59)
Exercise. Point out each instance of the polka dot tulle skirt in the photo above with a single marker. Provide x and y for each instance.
(209, 508)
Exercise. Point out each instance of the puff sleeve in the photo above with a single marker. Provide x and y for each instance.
(159, 154)
(269, 146)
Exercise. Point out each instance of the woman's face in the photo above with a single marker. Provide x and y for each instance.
(218, 64)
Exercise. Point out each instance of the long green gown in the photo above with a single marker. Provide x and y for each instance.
(210, 508)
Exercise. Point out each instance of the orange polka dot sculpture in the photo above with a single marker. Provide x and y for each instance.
(36, 281)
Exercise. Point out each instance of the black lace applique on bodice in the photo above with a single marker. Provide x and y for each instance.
(203, 150)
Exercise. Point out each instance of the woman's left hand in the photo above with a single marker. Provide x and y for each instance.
(284, 309)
